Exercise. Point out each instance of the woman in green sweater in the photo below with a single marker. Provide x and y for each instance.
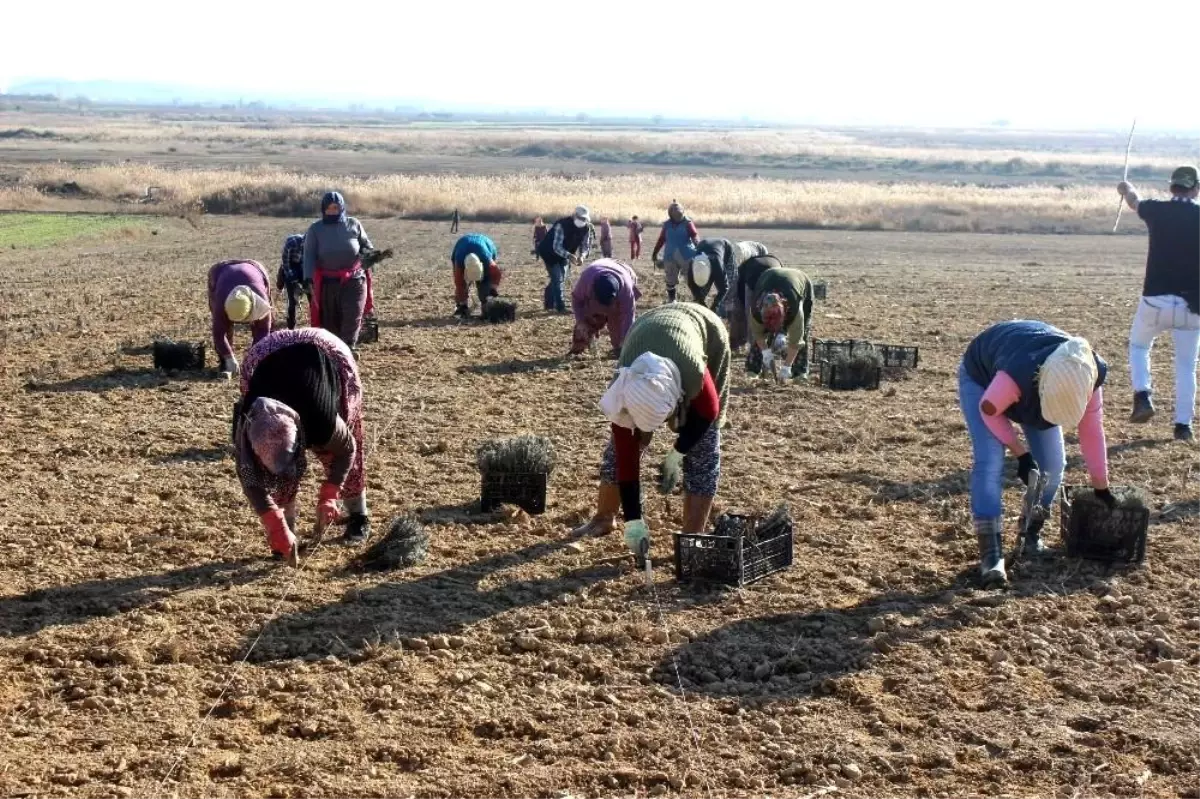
(674, 368)
(781, 304)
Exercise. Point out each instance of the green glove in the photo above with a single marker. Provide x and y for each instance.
(637, 537)
(672, 468)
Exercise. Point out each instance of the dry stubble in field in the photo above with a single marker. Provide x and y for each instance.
(516, 661)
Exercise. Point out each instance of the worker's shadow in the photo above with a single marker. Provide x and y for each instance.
(119, 378)
(71, 604)
(554, 363)
(793, 655)
(443, 602)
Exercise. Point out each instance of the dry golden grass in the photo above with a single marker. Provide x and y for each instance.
(711, 201)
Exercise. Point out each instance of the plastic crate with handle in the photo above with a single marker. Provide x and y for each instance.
(525, 490)
(1090, 530)
(741, 550)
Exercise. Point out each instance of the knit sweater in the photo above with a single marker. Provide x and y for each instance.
(691, 336)
(333, 247)
(796, 290)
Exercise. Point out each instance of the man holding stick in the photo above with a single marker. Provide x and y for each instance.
(1170, 295)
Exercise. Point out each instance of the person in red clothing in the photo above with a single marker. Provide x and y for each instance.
(635, 238)
(540, 229)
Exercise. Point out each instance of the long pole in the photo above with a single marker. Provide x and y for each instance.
(1125, 174)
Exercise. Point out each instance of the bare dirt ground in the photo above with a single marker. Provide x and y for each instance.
(517, 661)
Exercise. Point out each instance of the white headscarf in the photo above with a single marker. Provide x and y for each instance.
(472, 268)
(643, 394)
(1066, 381)
(244, 305)
(701, 270)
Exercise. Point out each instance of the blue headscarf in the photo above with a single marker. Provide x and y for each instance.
(606, 289)
(329, 199)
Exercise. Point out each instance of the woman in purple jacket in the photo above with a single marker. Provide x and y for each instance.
(606, 294)
(239, 292)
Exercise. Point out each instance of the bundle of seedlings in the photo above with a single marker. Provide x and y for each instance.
(372, 257)
(1128, 498)
(497, 309)
(739, 525)
(404, 544)
(524, 454)
(177, 355)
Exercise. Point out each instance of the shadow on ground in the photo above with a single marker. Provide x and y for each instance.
(119, 378)
(72, 604)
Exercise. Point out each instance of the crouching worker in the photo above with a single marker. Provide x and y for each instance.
(291, 275)
(781, 304)
(301, 391)
(674, 368)
(474, 261)
(606, 294)
(239, 292)
(333, 266)
(712, 267)
(748, 273)
(1045, 380)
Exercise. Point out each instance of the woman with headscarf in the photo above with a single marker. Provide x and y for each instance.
(1045, 380)
(341, 287)
(712, 268)
(567, 242)
(301, 391)
(474, 260)
(677, 242)
(605, 294)
(635, 237)
(674, 368)
(239, 292)
(748, 273)
(606, 247)
(539, 232)
(781, 304)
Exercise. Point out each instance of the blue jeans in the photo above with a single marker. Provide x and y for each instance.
(552, 296)
(987, 467)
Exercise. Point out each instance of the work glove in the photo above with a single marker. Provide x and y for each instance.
(229, 364)
(1025, 465)
(768, 359)
(327, 505)
(637, 537)
(279, 537)
(670, 472)
(1106, 496)
(785, 374)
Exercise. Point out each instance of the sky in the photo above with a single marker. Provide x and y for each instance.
(1050, 64)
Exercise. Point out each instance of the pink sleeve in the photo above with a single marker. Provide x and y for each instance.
(1091, 440)
(1002, 392)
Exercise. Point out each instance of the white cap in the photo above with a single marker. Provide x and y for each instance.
(472, 268)
(701, 270)
(582, 212)
(1066, 382)
(643, 394)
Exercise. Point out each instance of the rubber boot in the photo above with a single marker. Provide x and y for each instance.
(1183, 432)
(462, 311)
(670, 295)
(990, 533)
(358, 522)
(1031, 539)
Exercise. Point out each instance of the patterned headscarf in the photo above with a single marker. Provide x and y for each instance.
(270, 447)
(774, 311)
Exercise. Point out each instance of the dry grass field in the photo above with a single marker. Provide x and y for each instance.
(150, 649)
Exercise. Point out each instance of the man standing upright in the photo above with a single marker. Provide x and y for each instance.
(1170, 295)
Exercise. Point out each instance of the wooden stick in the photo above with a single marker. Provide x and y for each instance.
(1125, 174)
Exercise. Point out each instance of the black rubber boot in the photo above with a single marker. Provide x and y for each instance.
(1031, 540)
(358, 529)
(990, 533)
(1143, 408)
(670, 295)
(1183, 432)
(462, 311)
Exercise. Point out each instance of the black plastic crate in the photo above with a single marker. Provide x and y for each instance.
(822, 350)
(177, 355)
(369, 332)
(820, 289)
(844, 377)
(732, 559)
(899, 356)
(1092, 531)
(525, 490)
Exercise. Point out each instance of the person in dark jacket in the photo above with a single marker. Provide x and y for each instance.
(1046, 380)
(301, 391)
(781, 304)
(567, 242)
(474, 260)
(290, 277)
(748, 274)
(333, 249)
(1170, 296)
(677, 242)
(454, 222)
(712, 267)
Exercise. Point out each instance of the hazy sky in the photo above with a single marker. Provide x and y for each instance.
(1043, 64)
